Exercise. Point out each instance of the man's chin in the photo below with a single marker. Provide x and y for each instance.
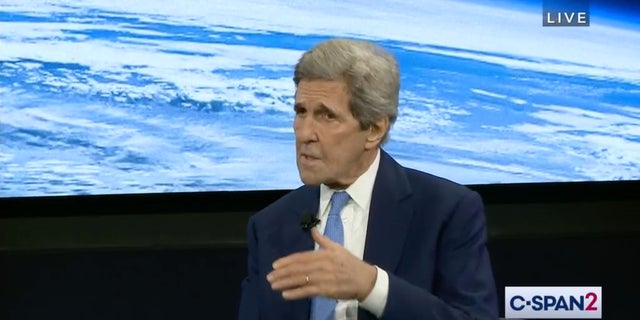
(310, 180)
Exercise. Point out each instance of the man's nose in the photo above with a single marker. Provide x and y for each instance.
(305, 129)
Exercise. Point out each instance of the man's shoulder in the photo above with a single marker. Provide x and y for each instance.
(436, 189)
(438, 194)
(425, 179)
(422, 181)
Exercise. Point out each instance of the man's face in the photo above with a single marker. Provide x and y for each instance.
(331, 148)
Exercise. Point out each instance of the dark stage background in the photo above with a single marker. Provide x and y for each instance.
(182, 256)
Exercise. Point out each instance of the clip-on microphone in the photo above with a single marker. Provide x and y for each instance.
(308, 221)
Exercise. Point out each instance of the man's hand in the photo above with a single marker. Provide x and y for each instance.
(331, 271)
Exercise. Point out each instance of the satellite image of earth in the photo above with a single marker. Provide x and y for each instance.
(107, 97)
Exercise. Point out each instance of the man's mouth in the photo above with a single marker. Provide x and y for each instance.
(306, 156)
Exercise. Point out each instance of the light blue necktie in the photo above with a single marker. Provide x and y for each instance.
(322, 308)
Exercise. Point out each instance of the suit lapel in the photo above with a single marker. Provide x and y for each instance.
(296, 240)
(290, 238)
(293, 237)
(389, 215)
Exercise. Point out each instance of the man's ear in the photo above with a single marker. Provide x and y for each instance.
(376, 133)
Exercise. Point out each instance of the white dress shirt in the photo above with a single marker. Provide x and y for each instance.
(355, 216)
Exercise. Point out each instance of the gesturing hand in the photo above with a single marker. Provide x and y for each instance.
(331, 271)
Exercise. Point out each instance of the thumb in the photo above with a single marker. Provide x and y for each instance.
(321, 240)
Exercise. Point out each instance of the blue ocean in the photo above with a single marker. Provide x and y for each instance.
(107, 97)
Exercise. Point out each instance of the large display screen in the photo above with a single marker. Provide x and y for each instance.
(111, 97)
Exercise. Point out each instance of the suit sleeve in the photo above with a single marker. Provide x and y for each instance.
(464, 287)
(249, 305)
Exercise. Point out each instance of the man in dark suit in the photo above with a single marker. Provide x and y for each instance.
(392, 242)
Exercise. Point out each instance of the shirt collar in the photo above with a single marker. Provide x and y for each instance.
(360, 191)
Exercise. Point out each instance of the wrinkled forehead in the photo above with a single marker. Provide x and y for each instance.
(330, 94)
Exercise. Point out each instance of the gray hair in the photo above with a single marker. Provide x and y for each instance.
(371, 74)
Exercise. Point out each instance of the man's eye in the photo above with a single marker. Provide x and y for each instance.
(329, 116)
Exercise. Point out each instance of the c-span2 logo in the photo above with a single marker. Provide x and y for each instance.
(565, 13)
(553, 302)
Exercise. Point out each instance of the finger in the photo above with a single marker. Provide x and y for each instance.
(288, 271)
(300, 292)
(298, 257)
(297, 269)
(322, 241)
(290, 282)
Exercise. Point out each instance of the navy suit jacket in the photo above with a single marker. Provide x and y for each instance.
(426, 232)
